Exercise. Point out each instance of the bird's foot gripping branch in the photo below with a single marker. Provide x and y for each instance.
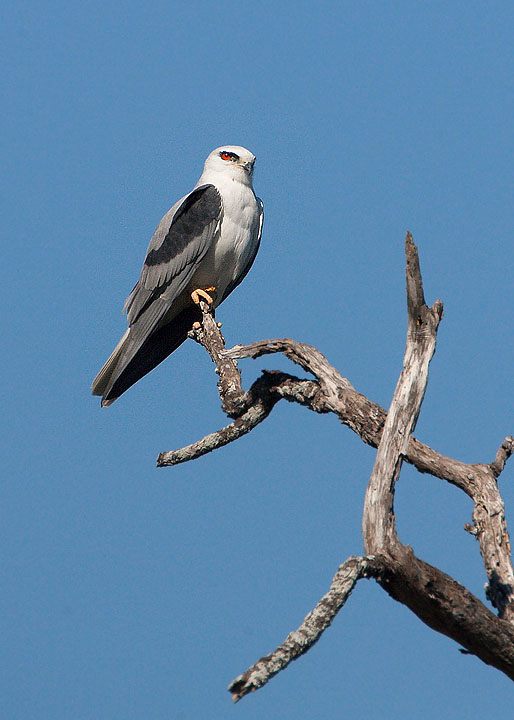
(438, 600)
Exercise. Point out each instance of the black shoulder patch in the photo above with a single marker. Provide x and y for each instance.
(197, 212)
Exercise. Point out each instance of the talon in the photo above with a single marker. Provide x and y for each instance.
(200, 294)
(196, 325)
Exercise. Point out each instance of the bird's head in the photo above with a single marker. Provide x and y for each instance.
(231, 161)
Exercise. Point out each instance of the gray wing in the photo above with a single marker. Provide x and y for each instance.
(179, 244)
(244, 270)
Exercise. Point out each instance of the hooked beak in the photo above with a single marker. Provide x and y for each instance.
(248, 166)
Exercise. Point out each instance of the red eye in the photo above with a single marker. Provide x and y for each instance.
(226, 155)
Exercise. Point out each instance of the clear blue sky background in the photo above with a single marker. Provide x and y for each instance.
(131, 592)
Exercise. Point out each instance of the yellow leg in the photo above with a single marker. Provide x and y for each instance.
(200, 294)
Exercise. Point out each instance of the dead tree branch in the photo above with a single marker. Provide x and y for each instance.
(208, 334)
(378, 527)
(437, 599)
(265, 392)
(446, 606)
(433, 596)
(330, 392)
(300, 641)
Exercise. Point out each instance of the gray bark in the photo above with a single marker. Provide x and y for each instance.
(437, 599)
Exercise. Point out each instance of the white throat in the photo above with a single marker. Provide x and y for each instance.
(224, 177)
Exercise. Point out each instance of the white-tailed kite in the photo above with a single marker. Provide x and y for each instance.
(202, 249)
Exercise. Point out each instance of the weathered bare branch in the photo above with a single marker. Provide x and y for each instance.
(378, 524)
(208, 334)
(367, 418)
(477, 480)
(504, 453)
(306, 356)
(300, 641)
(433, 596)
(436, 598)
(265, 392)
(330, 392)
(242, 425)
(446, 606)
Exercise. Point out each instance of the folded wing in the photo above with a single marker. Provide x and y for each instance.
(176, 250)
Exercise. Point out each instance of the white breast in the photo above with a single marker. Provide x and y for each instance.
(234, 241)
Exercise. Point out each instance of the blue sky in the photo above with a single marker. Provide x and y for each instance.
(132, 592)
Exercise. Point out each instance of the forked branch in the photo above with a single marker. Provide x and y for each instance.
(436, 598)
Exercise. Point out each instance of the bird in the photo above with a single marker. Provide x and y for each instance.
(201, 250)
